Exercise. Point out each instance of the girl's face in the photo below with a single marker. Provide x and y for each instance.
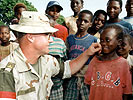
(76, 5)
(108, 41)
(113, 9)
(124, 48)
(54, 12)
(99, 21)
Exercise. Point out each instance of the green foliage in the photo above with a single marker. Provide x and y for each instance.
(6, 9)
(60, 20)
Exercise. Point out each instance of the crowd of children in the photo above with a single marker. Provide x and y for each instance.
(107, 75)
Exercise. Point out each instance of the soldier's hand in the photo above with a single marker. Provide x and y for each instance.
(95, 48)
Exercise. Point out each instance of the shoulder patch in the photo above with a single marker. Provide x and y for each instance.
(9, 66)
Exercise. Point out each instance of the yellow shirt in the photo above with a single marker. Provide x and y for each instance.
(71, 24)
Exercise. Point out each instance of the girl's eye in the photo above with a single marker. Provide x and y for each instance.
(108, 40)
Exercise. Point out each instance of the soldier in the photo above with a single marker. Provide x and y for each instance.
(26, 73)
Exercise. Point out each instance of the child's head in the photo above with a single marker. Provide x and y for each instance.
(4, 34)
(129, 8)
(126, 46)
(76, 5)
(53, 9)
(114, 8)
(18, 8)
(99, 19)
(110, 38)
(84, 20)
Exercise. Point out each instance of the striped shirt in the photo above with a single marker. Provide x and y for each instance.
(57, 47)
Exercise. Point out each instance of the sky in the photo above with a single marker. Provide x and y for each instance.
(91, 5)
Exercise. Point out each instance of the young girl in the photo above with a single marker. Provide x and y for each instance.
(76, 6)
(124, 50)
(108, 74)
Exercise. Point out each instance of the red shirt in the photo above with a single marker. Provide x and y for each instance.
(108, 80)
(61, 33)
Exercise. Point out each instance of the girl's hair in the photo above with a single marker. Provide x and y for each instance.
(19, 5)
(82, 1)
(118, 30)
(120, 2)
(87, 12)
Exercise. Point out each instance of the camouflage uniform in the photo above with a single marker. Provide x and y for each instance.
(19, 80)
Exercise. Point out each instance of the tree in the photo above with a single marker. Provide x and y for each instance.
(6, 9)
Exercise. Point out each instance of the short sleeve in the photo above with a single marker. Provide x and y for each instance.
(67, 70)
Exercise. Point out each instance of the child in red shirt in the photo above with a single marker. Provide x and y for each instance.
(108, 74)
(53, 9)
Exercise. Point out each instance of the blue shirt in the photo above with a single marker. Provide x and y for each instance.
(77, 45)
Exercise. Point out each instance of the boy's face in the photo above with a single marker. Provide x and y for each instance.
(18, 13)
(99, 22)
(108, 41)
(84, 22)
(113, 9)
(129, 8)
(76, 5)
(54, 12)
(4, 35)
(124, 48)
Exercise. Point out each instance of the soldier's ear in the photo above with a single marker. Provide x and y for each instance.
(30, 38)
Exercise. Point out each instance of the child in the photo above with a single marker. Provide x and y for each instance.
(77, 44)
(108, 74)
(70, 22)
(124, 50)
(57, 49)
(99, 20)
(53, 9)
(18, 8)
(114, 8)
(129, 9)
(6, 46)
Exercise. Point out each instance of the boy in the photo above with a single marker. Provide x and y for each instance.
(57, 49)
(70, 22)
(53, 9)
(99, 20)
(18, 8)
(108, 74)
(77, 44)
(6, 46)
(129, 9)
(114, 8)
